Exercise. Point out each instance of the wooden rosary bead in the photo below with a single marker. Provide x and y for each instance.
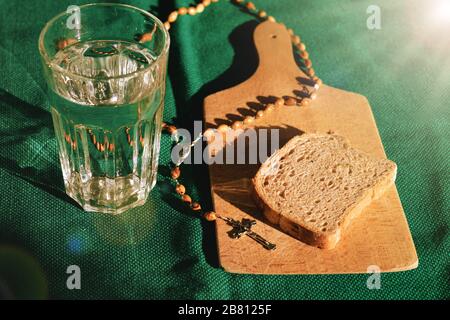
(290, 101)
(301, 46)
(236, 125)
(61, 44)
(173, 16)
(308, 63)
(313, 96)
(279, 102)
(305, 102)
(206, 2)
(304, 55)
(271, 19)
(223, 128)
(250, 6)
(262, 14)
(311, 72)
(167, 25)
(196, 206)
(260, 114)
(171, 129)
(290, 31)
(182, 11)
(249, 119)
(270, 107)
(296, 40)
(180, 189)
(64, 43)
(200, 8)
(319, 81)
(210, 216)
(208, 134)
(146, 37)
(192, 11)
(186, 198)
(175, 173)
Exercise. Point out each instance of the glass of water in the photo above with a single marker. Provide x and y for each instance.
(105, 65)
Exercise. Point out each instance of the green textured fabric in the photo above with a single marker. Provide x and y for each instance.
(160, 250)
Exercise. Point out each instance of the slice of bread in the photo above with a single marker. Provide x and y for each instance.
(315, 185)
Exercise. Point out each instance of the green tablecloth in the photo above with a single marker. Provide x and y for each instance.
(161, 251)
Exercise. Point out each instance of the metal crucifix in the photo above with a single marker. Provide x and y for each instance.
(244, 227)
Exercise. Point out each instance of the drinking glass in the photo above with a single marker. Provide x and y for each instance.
(105, 66)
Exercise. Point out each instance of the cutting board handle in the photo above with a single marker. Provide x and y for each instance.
(273, 44)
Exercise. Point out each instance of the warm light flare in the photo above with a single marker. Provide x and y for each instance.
(441, 12)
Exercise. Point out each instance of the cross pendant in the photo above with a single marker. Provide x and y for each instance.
(244, 227)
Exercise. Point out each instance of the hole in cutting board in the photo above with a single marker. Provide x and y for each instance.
(273, 36)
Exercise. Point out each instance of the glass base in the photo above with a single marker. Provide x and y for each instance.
(106, 195)
(89, 208)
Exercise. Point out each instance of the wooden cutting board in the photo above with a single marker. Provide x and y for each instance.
(380, 236)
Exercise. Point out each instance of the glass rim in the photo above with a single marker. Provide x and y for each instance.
(52, 65)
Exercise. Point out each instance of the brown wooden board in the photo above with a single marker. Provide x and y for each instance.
(380, 236)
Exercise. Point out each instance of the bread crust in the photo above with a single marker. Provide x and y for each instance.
(293, 228)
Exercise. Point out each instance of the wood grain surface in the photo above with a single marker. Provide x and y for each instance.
(380, 236)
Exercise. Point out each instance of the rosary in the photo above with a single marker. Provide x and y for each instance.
(243, 227)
